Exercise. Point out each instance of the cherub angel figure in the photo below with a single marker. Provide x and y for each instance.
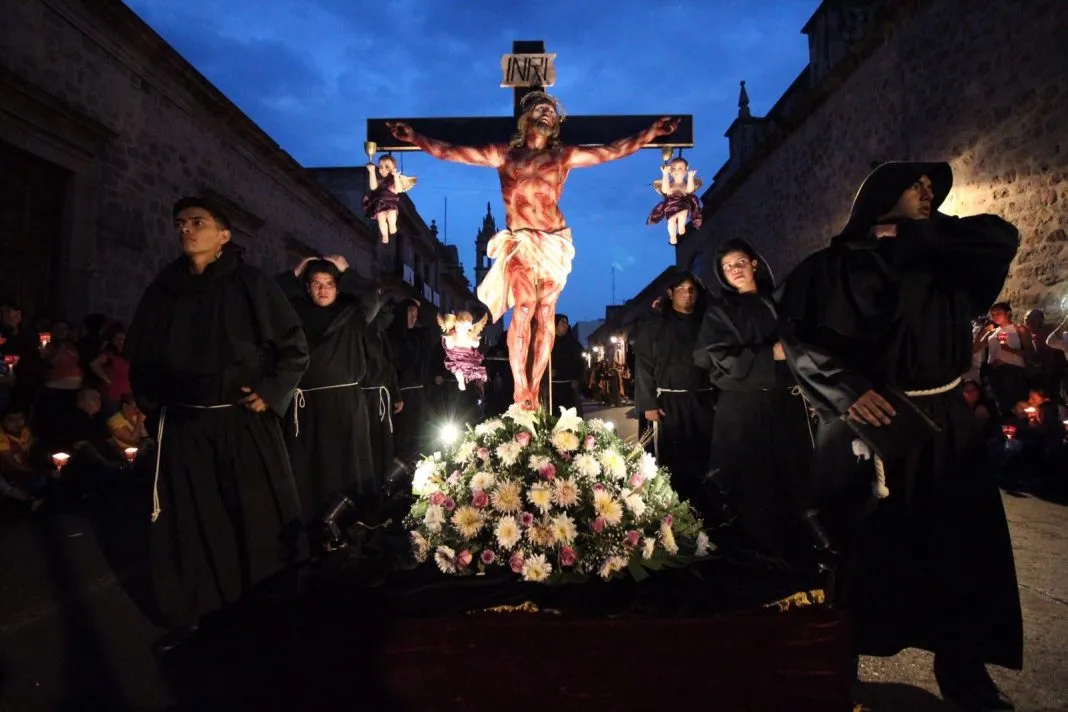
(381, 202)
(462, 335)
(679, 185)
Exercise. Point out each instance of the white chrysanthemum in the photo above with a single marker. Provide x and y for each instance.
(509, 452)
(586, 465)
(569, 420)
(465, 452)
(648, 544)
(420, 546)
(536, 568)
(482, 481)
(607, 508)
(614, 464)
(467, 521)
(507, 532)
(703, 545)
(506, 498)
(445, 558)
(648, 466)
(489, 427)
(523, 417)
(612, 565)
(565, 492)
(541, 496)
(537, 462)
(596, 425)
(667, 539)
(635, 503)
(434, 518)
(423, 478)
(563, 528)
(565, 441)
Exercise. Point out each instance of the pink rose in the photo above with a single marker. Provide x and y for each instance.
(598, 525)
(526, 519)
(488, 557)
(589, 442)
(454, 478)
(480, 499)
(566, 456)
(669, 520)
(567, 556)
(523, 438)
(483, 453)
(449, 504)
(463, 559)
(633, 537)
(516, 563)
(437, 498)
(549, 471)
(636, 479)
(598, 487)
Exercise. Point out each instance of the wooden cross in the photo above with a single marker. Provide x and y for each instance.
(485, 130)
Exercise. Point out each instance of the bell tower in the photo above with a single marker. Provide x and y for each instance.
(489, 229)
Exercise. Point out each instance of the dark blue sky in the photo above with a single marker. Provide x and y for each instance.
(310, 72)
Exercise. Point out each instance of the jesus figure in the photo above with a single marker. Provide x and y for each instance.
(532, 257)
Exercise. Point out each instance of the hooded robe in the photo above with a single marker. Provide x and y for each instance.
(382, 390)
(412, 349)
(229, 516)
(568, 370)
(931, 565)
(327, 430)
(762, 437)
(667, 378)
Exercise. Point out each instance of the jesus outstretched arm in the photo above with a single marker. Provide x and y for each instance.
(491, 156)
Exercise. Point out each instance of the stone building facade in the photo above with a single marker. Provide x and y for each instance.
(980, 83)
(102, 126)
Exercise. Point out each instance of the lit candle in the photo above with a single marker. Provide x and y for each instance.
(46, 338)
(130, 453)
(1030, 410)
(12, 360)
(60, 459)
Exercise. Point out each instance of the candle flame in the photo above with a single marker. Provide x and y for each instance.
(60, 459)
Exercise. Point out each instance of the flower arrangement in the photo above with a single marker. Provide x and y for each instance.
(553, 502)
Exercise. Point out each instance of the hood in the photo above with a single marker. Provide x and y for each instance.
(765, 280)
(176, 276)
(884, 185)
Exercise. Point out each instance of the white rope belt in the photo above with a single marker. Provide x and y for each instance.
(879, 488)
(299, 402)
(156, 508)
(411, 388)
(385, 406)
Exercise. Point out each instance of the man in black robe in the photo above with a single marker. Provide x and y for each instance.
(412, 340)
(216, 352)
(328, 434)
(762, 437)
(877, 330)
(501, 384)
(673, 391)
(384, 400)
(568, 368)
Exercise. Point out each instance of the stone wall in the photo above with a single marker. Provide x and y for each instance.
(170, 133)
(981, 83)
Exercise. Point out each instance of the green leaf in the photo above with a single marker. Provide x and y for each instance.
(637, 570)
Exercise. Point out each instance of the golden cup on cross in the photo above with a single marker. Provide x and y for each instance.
(666, 152)
(371, 148)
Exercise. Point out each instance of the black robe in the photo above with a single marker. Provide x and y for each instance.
(762, 436)
(931, 566)
(568, 373)
(500, 388)
(382, 390)
(412, 352)
(327, 431)
(663, 354)
(229, 514)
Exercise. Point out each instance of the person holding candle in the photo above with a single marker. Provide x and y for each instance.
(1009, 350)
(215, 353)
(127, 425)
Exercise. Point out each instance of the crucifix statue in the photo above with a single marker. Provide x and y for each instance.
(532, 256)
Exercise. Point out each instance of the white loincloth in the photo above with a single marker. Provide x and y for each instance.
(549, 254)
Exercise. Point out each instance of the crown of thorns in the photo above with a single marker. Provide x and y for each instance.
(539, 97)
